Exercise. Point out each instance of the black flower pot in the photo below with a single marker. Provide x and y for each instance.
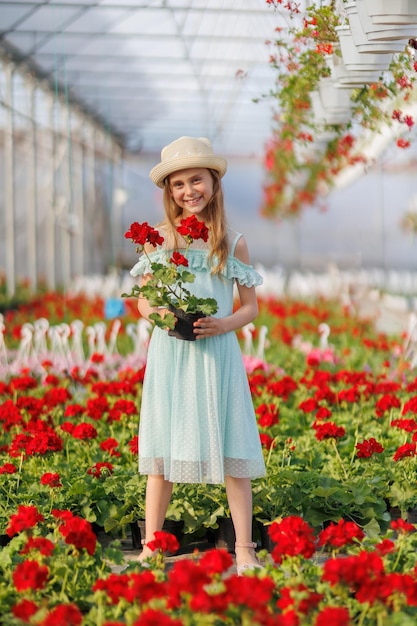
(137, 528)
(224, 534)
(184, 328)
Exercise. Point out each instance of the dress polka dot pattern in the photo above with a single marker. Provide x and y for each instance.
(197, 422)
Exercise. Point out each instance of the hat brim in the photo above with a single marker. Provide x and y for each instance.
(159, 173)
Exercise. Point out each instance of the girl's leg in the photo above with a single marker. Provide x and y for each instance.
(158, 495)
(239, 496)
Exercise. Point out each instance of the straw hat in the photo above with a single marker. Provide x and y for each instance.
(184, 153)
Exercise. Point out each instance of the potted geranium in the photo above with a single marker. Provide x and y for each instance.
(165, 288)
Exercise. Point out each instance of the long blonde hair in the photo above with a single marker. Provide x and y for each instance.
(215, 222)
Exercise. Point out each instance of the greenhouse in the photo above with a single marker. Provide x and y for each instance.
(276, 442)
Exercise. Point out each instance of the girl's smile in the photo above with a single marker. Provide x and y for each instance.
(191, 189)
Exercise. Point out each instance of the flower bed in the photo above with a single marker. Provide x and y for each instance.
(336, 417)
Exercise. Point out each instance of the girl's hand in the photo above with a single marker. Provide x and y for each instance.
(208, 327)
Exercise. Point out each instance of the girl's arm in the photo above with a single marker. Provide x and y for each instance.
(246, 313)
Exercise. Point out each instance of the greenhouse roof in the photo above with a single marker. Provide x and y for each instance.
(153, 70)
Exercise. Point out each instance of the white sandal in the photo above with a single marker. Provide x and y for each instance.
(245, 567)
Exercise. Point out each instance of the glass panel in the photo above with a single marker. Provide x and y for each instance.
(11, 14)
(48, 18)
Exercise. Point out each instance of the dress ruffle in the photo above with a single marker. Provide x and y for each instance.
(245, 274)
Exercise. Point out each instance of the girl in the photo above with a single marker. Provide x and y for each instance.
(197, 421)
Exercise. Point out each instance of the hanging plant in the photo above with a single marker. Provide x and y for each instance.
(307, 152)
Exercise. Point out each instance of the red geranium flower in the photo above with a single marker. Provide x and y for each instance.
(216, 561)
(328, 430)
(153, 617)
(100, 470)
(191, 228)
(52, 479)
(266, 441)
(178, 259)
(267, 415)
(8, 468)
(143, 233)
(166, 542)
(300, 598)
(79, 533)
(402, 526)
(30, 575)
(24, 610)
(110, 445)
(408, 449)
(334, 616)
(368, 447)
(25, 518)
(292, 536)
(84, 431)
(133, 445)
(64, 615)
(40, 544)
(340, 534)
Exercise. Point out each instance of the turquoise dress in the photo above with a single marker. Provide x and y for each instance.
(197, 421)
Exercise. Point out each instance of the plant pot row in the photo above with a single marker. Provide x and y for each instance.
(222, 537)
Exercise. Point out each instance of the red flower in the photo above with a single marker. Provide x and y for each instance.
(329, 430)
(166, 542)
(73, 410)
(84, 431)
(125, 406)
(340, 534)
(54, 397)
(79, 533)
(143, 233)
(110, 445)
(387, 402)
(267, 441)
(408, 449)
(300, 598)
(334, 616)
(40, 544)
(410, 406)
(178, 259)
(9, 415)
(385, 547)
(100, 470)
(133, 445)
(368, 447)
(403, 143)
(115, 586)
(44, 442)
(323, 413)
(410, 426)
(153, 617)
(51, 479)
(351, 395)
(30, 575)
(292, 536)
(191, 228)
(267, 415)
(308, 406)
(63, 615)
(8, 468)
(402, 526)
(96, 407)
(26, 517)
(216, 561)
(24, 610)
(283, 387)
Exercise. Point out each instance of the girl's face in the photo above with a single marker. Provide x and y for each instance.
(191, 190)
